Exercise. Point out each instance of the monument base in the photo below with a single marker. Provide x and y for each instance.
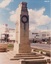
(16, 47)
(29, 58)
(23, 53)
(22, 48)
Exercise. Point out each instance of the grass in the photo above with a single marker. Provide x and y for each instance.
(10, 46)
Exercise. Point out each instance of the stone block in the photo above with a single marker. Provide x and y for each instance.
(34, 62)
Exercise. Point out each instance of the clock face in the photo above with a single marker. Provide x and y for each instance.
(24, 19)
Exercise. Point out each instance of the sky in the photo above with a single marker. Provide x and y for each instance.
(39, 13)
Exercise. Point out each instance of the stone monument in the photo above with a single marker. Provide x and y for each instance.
(22, 45)
(22, 31)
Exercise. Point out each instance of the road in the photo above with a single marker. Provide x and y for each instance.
(46, 47)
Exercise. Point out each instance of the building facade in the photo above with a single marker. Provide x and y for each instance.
(5, 32)
(41, 36)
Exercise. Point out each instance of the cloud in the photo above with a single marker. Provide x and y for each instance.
(47, 1)
(15, 15)
(36, 17)
(5, 3)
(8, 9)
(12, 12)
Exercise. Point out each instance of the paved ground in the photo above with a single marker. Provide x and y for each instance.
(5, 58)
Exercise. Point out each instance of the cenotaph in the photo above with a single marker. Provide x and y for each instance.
(22, 45)
(22, 31)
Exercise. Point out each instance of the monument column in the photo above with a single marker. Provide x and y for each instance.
(22, 30)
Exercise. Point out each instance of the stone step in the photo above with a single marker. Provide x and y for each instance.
(17, 58)
(27, 55)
